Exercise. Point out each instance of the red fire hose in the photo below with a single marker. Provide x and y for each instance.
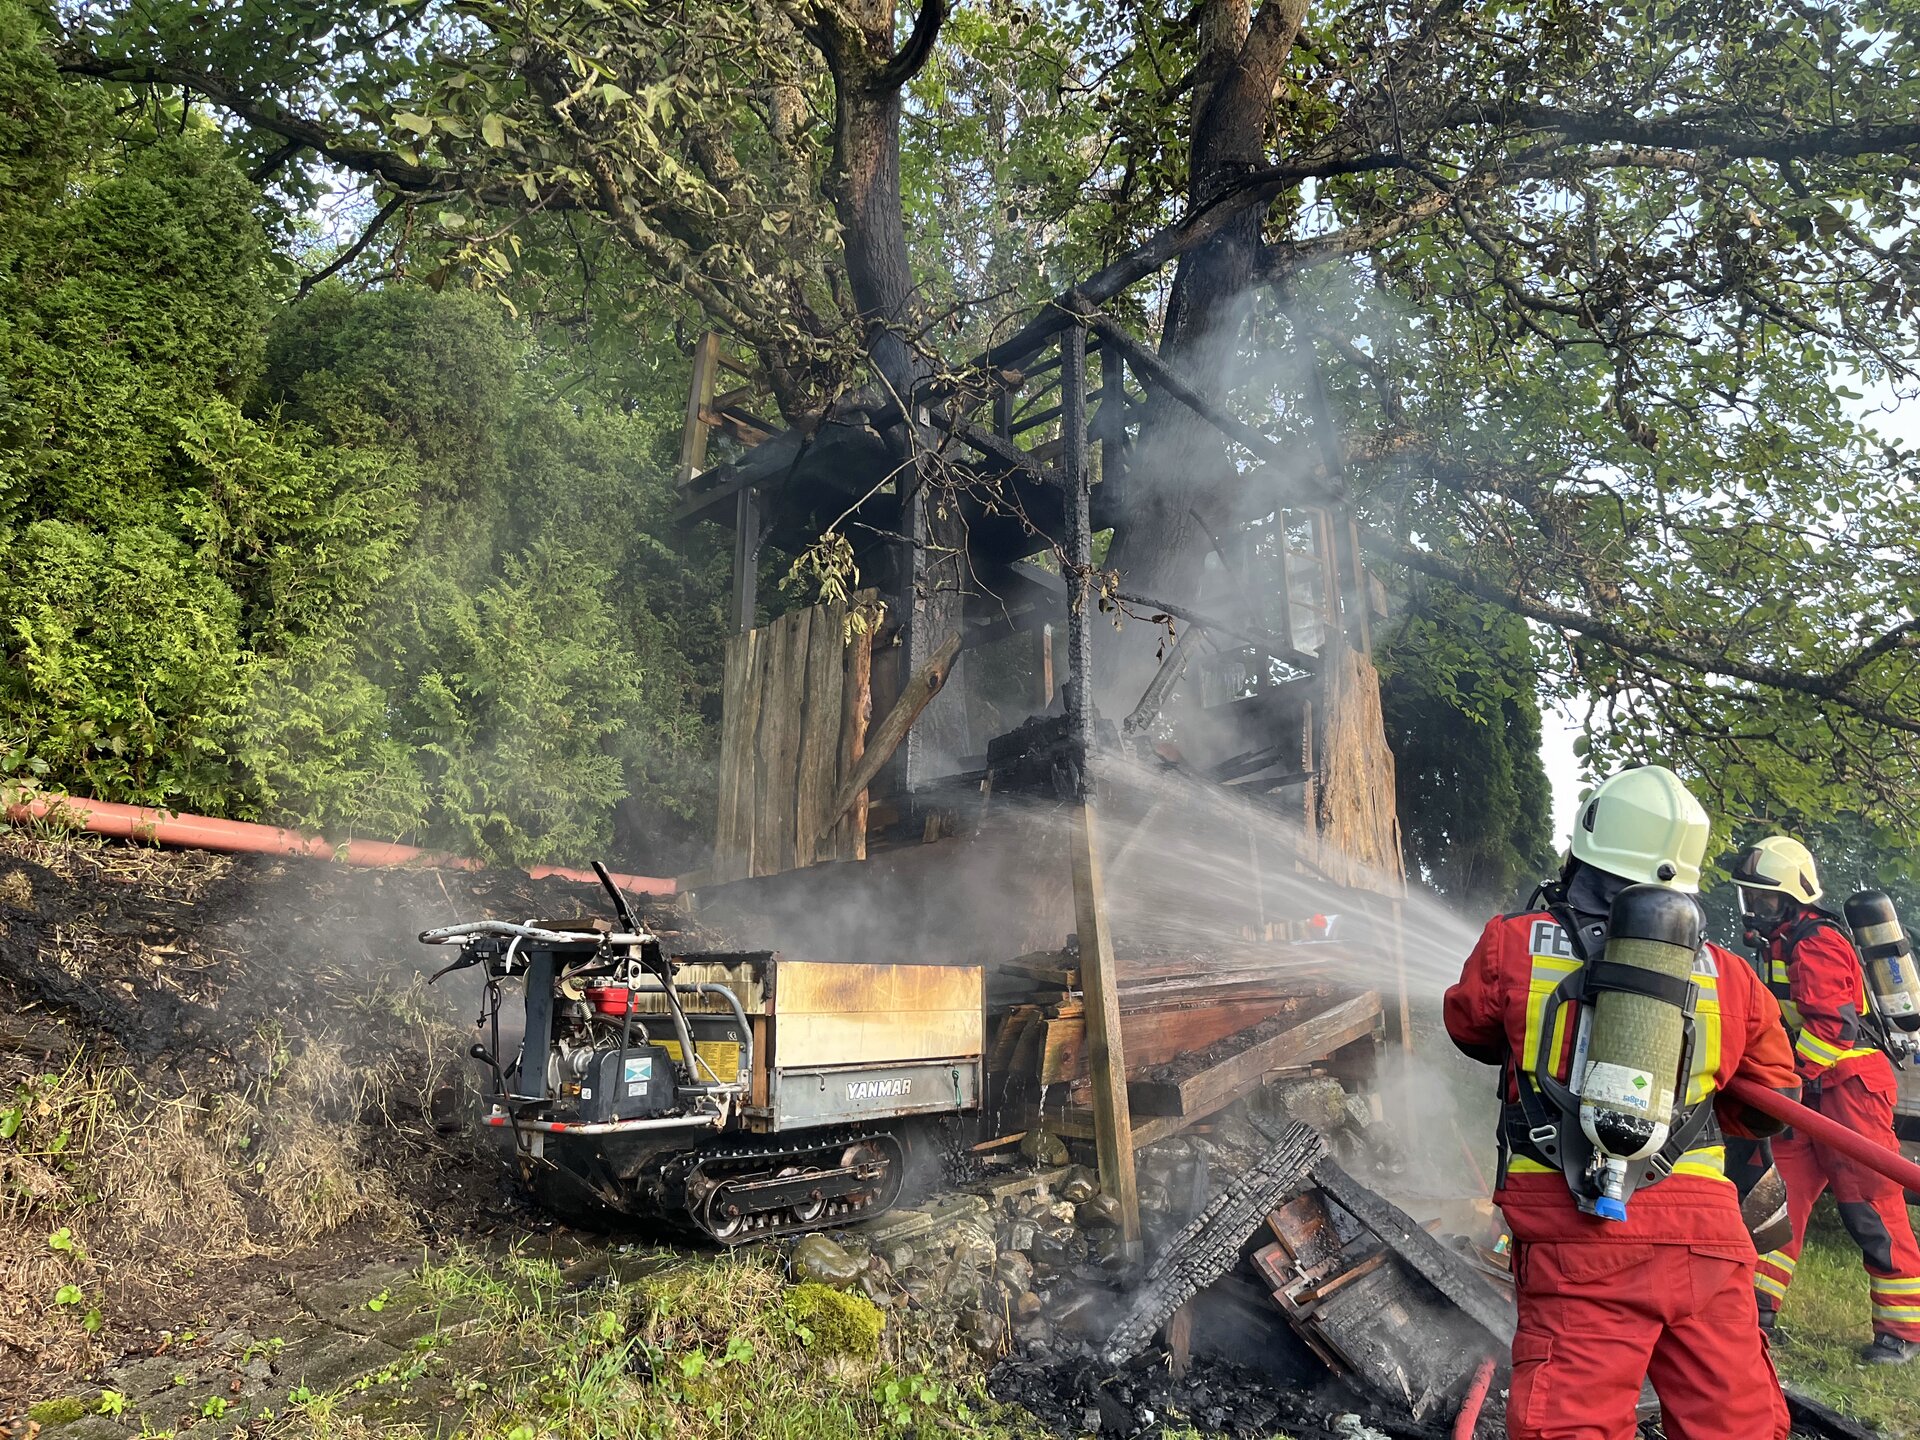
(1828, 1132)
(201, 832)
(1469, 1416)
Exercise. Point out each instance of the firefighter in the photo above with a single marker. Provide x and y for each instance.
(1664, 1293)
(1812, 969)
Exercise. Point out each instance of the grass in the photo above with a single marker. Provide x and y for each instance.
(700, 1349)
(1825, 1321)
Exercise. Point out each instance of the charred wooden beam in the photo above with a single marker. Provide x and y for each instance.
(1426, 1256)
(1211, 1245)
(1314, 1037)
(996, 448)
(1267, 644)
(1172, 667)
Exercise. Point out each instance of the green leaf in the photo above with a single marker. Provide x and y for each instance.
(417, 124)
(69, 1295)
(493, 130)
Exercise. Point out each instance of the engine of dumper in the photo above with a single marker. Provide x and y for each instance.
(604, 1065)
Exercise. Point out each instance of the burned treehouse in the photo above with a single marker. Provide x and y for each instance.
(1182, 877)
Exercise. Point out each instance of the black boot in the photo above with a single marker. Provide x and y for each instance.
(1889, 1350)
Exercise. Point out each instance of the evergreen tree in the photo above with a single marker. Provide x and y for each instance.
(1463, 718)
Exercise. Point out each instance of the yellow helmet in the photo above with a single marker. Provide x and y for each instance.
(1644, 825)
(1781, 863)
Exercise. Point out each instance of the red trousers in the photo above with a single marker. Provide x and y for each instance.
(1598, 1318)
(1872, 1207)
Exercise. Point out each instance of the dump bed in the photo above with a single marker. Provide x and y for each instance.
(838, 1042)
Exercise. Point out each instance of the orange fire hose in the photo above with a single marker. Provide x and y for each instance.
(1828, 1132)
(201, 832)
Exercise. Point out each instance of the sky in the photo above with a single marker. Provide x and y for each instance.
(1557, 729)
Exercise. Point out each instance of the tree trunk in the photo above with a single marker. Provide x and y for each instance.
(1181, 486)
(856, 37)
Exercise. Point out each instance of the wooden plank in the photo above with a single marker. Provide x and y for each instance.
(738, 765)
(1063, 1050)
(817, 775)
(1106, 1045)
(727, 840)
(1155, 1037)
(856, 714)
(1440, 1267)
(887, 735)
(1178, 1334)
(693, 431)
(772, 788)
(1319, 1035)
(1017, 1184)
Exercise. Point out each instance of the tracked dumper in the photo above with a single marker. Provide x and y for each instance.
(738, 1095)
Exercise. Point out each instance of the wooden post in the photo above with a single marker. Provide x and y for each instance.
(1045, 650)
(746, 559)
(693, 435)
(1106, 1056)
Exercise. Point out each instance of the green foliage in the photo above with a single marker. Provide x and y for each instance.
(131, 299)
(123, 659)
(1457, 696)
(357, 561)
(699, 1348)
(839, 1323)
(1824, 1322)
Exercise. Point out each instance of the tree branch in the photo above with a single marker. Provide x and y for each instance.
(354, 251)
(1832, 686)
(268, 115)
(1738, 138)
(918, 50)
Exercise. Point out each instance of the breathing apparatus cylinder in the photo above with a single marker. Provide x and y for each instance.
(1636, 1032)
(1889, 958)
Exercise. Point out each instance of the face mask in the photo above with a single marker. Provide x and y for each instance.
(1762, 907)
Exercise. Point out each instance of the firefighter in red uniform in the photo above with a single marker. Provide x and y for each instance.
(1664, 1293)
(1815, 973)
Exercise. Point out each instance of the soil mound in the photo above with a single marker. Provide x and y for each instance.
(222, 1070)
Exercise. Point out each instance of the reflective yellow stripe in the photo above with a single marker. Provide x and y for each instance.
(1548, 972)
(1899, 1314)
(1822, 1053)
(1706, 1161)
(1878, 1286)
(1780, 1260)
(1767, 1285)
(1706, 1062)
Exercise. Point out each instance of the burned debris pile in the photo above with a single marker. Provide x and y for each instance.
(1211, 1245)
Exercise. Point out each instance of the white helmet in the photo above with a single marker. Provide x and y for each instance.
(1780, 863)
(1644, 825)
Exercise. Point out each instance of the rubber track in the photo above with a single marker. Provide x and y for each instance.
(678, 1171)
